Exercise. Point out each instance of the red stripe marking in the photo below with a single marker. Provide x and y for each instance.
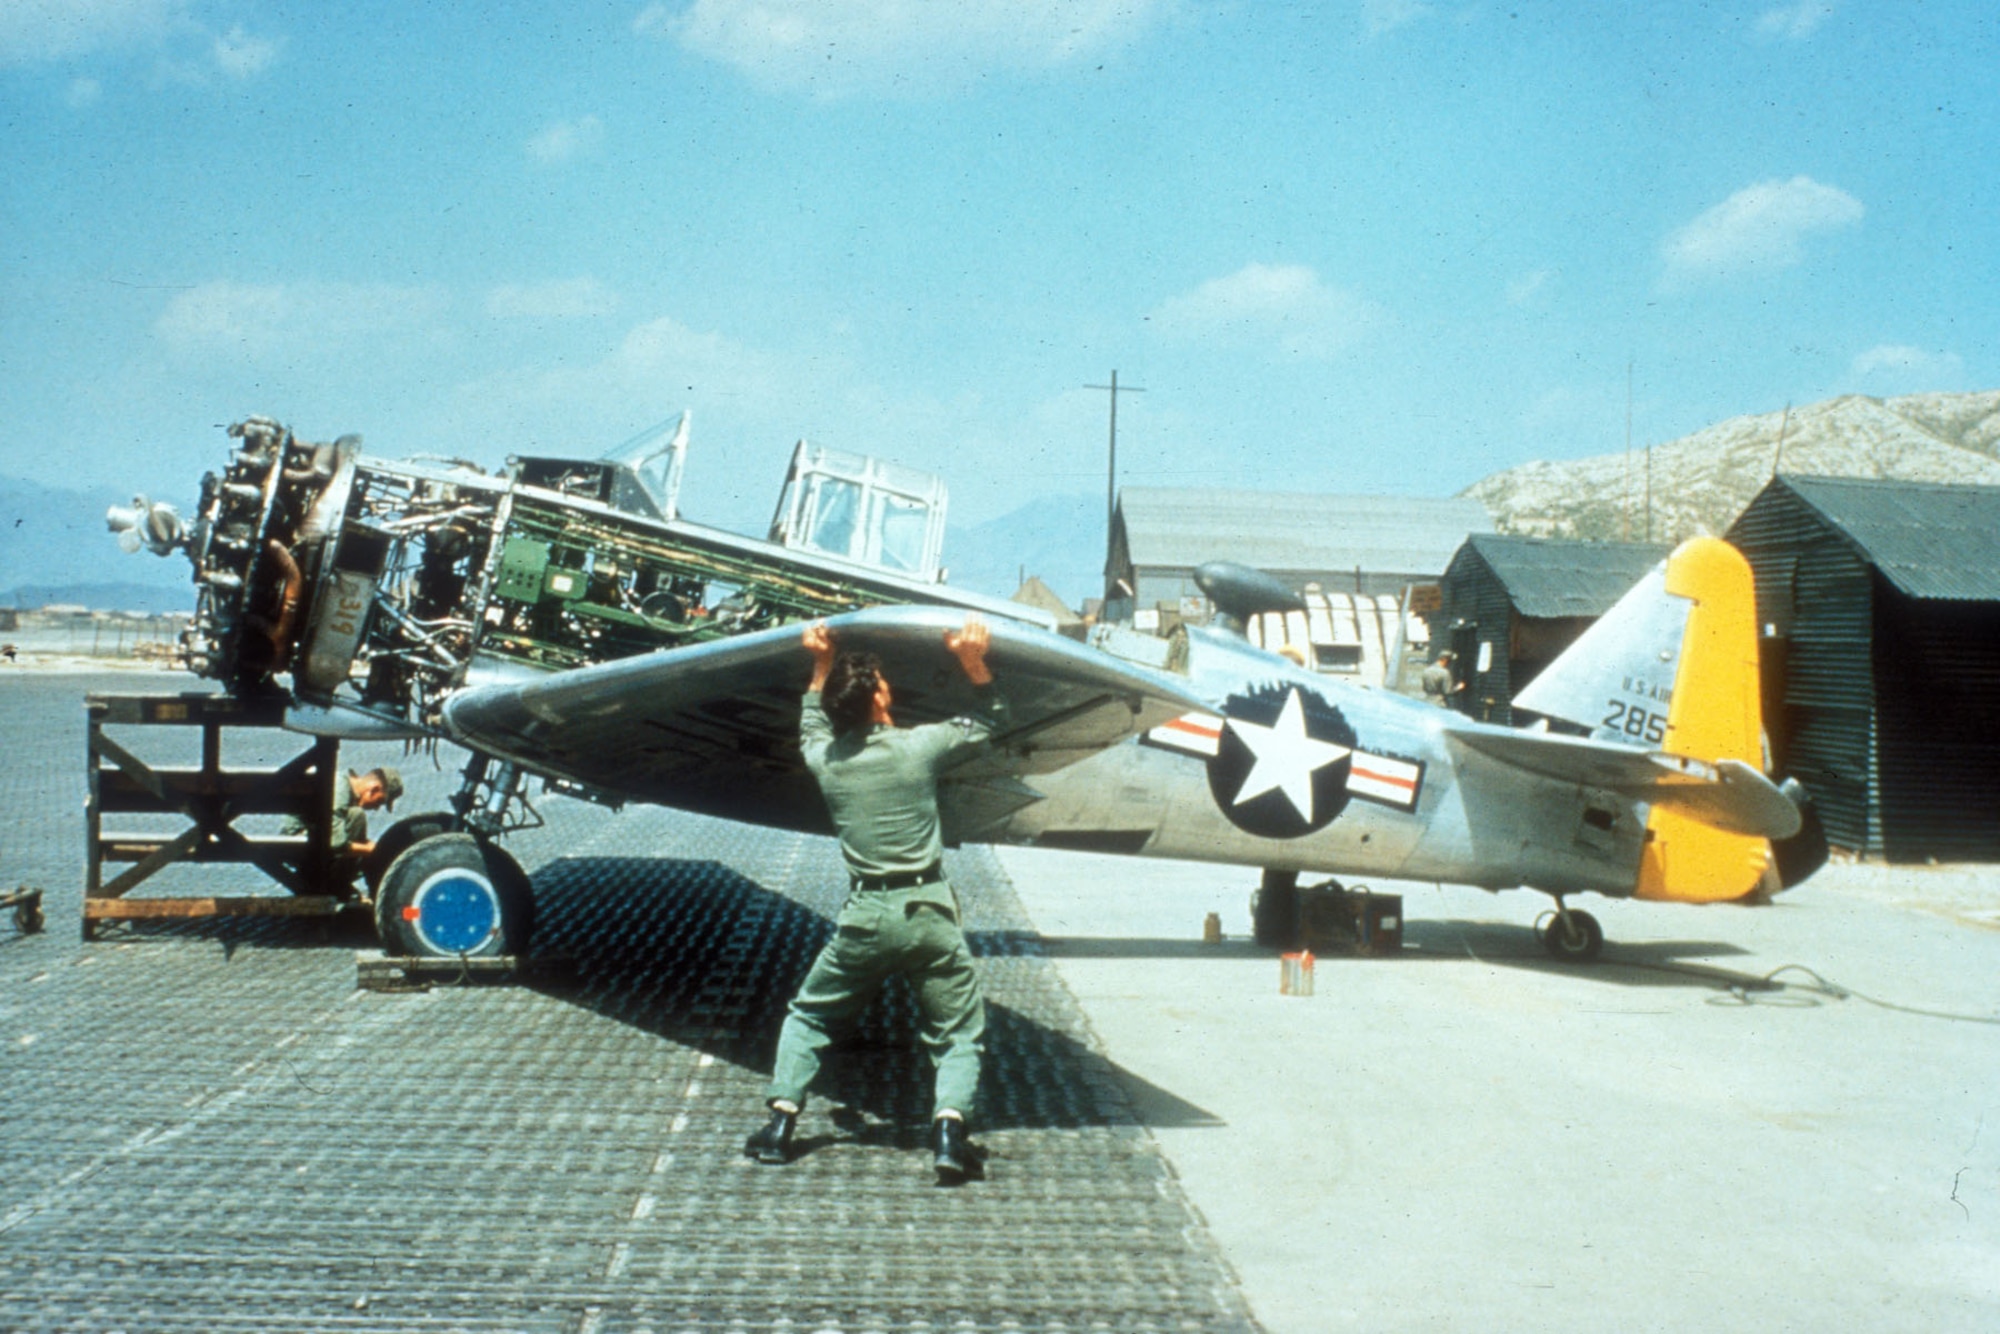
(1211, 731)
(1392, 780)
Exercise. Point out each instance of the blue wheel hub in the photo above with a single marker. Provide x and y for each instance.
(455, 911)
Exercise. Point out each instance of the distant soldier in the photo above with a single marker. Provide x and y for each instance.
(348, 830)
(1438, 684)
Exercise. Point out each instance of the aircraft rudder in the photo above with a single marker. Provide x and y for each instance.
(1715, 713)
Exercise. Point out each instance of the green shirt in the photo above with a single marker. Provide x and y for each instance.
(880, 783)
(349, 823)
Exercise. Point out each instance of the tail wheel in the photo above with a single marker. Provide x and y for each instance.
(450, 895)
(1274, 911)
(1570, 935)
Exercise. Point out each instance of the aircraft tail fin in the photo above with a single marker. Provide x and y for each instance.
(1673, 667)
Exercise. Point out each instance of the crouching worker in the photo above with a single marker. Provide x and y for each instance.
(901, 916)
(353, 798)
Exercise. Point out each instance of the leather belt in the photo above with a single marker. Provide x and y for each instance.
(930, 875)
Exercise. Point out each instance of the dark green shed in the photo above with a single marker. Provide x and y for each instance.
(1880, 610)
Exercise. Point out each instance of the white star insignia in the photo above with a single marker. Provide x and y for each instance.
(1287, 758)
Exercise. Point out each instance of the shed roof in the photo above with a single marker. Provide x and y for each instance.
(1179, 528)
(1553, 576)
(1929, 539)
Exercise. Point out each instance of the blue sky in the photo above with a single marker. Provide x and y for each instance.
(1378, 246)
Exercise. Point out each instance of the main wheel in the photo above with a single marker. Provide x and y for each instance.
(1579, 940)
(397, 839)
(1274, 911)
(27, 917)
(450, 895)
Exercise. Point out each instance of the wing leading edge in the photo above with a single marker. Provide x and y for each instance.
(714, 727)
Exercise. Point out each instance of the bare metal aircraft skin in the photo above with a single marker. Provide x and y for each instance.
(623, 654)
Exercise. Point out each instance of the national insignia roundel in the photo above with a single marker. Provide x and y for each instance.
(1281, 764)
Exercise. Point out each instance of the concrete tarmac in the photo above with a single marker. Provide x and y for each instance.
(1740, 1118)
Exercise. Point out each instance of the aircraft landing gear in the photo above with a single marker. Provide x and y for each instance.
(454, 894)
(444, 888)
(1570, 934)
(1274, 911)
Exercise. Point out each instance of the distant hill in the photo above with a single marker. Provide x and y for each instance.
(1058, 538)
(54, 548)
(1701, 482)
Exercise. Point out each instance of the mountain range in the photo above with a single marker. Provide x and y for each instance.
(1701, 482)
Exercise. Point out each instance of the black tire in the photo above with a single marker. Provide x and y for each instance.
(1581, 942)
(517, 895)
(28, 918)
(450, 895)
(1274, 911)
(396, 841)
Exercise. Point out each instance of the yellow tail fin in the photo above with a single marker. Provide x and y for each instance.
(1715, 713)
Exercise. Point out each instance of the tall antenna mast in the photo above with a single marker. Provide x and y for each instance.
(1111, 465)
(1783, 422)
(1625, 510)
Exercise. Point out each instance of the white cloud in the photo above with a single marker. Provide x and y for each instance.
(187, 52)
(562, 299)
(1380, 16)
(1904, 362)
(38, 30)
(1524, 289)
(899, 46)
(255, 322)
(239, 55)
(1761, 226)
(1281, 306)
(567, 140)
(1795, 20)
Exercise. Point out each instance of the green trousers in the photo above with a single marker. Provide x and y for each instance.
(880, 934)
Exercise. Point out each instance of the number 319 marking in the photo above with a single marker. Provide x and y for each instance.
(1635, 722)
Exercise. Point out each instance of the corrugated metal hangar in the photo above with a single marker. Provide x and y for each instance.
(1510, 605)
(1353, 544)
(1880, 603)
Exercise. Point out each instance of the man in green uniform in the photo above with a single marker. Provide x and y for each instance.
(901, 916)
(347, 831)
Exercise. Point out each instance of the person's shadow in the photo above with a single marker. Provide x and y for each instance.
(706, 957)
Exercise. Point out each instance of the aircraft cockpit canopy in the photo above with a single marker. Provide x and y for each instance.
(863, 509)
(654, 459)
(641, 476)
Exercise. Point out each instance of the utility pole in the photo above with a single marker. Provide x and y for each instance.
(1625, 510)
(1111, 467)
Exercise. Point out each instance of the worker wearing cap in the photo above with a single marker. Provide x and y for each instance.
(1438, 685)
(348, 828)
(901, 914)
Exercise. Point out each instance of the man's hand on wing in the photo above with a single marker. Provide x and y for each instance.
(969, 647)
(819, 642)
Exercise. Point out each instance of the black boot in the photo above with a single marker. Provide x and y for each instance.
(953, 1153)
(773, 1143)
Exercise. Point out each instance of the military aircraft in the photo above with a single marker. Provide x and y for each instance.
(562, 620)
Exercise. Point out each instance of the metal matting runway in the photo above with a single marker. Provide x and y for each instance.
(206, 1126)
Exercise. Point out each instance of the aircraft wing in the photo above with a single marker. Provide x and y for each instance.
(714, 727)
(1727, 794)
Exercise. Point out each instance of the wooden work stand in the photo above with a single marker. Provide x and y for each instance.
(211, 799)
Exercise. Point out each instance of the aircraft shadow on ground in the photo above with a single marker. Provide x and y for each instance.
(703, 956)
(1649, 963)
(1637, 963)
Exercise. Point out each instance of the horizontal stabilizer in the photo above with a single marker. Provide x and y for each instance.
(1727, 794)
